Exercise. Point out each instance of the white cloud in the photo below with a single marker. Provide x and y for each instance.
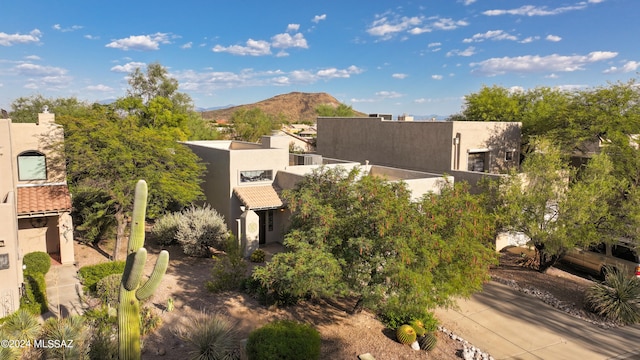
(293, 27)
(490, 35)
(252, 48)
(552, 76)
(435, 44)
(553, 38)
(536, 63)
(188, 45)
(530, 39)
(32, 57)
(388, 95)
(316, 19)
(531, 10)
(468, 2)
(91, 37)
(399, 76)
(140, 42)
(388, 25)
(69, 29)
(29, 69)
(436, 77)
(629, 66)
(12, 39)
(208, 81)
(285, 40)
(128, 67)
(99, 87)
(466, 52)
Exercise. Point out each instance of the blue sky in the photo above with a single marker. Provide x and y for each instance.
(414, 57)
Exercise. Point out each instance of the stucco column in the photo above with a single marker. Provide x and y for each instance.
(65, 230)
(250, 225)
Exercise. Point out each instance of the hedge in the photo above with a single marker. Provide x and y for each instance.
(91, 274)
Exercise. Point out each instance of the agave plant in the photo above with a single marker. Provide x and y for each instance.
(617, 298)
(211, 337)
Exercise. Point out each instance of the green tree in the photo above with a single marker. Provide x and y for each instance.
(491, 104)
(555, 205)
(328, 110)
(251, 124)
(360, 235)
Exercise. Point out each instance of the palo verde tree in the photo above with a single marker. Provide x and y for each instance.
(342, 110)
(251, 124)
(357, 234)
(557, 206)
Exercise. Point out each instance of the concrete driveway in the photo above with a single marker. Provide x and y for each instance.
(510, 325)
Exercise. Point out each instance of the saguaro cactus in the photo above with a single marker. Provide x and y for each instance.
(131, 292)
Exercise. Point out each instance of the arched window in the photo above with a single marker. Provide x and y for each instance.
(32, 165)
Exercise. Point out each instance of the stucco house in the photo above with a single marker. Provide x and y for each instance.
(468, 150)
(35, 203)
(244, 182)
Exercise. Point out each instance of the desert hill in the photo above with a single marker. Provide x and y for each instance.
(294, 107)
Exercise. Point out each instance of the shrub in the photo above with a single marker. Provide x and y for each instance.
(617, 298)
(34, 299)
(91, 274)
(211, 336)
(257, 256)
(199, 229)
(108, 288)
(149, 320)
(37, 262)
(418, 327)
(284, 340)
(93, 214)
(165, 229)
(21, 325)
(394, 319)
(229, 270)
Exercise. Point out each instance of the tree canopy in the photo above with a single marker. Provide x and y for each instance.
(342, 110)
(356, 234)
(251, 124)
(108, 148)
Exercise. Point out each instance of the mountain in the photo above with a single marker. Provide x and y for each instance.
(294, 106)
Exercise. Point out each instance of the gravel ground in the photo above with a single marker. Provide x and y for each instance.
(344, 335)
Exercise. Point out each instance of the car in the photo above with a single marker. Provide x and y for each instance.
(623, 256)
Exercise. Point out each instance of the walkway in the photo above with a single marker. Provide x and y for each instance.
(510, 325)
(63, 291)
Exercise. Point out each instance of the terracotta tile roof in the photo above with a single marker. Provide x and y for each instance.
(43, 199)
(259, 197)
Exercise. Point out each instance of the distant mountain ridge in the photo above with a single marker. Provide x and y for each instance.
(294, 106)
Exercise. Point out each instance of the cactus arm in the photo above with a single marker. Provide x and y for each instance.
(149, 287)
(129, 305)
(131, 278)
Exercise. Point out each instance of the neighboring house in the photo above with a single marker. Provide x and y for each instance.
(35, 203)
(465, 149)
(244, 182)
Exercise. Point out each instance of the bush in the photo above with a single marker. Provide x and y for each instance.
(284, 340)
(108, 288)
(395, 319)
(34, 299)
(229, 270)
(90, 275)
(617, 298)
(165, 228)
(37, 262)
(73, 331)
(257, 256)
(199, 229)
(93, 214)
(211, 336)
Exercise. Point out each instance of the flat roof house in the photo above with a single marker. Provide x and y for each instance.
(35, 203)
(244, 182)
(467, 150)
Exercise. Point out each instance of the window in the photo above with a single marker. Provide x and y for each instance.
(624, 253)
(476, 161)
(256, 175)
(508, 156)
(32, 165)
(4, 261)
(599, 248)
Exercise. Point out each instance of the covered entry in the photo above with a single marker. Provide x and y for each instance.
(260, 212)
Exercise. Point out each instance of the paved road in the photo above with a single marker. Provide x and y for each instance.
(510, 325)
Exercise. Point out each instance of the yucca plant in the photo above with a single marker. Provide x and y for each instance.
(617, 298)
(210, 337)
(22, 325)
(73, 335)
(8, 353)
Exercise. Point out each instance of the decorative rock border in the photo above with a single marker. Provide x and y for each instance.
(549, 299)
(469, 352)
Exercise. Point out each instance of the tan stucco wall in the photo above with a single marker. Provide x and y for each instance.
(423, 146)
(46, 137)
(11, 278)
